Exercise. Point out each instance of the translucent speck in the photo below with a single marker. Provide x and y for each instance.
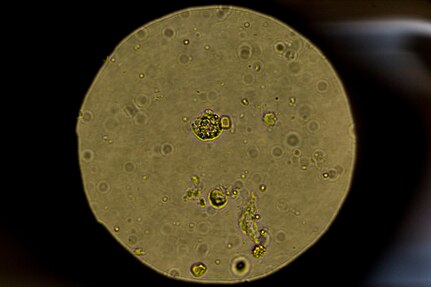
(246, 25)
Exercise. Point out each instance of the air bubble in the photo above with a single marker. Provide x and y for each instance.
(240, 266)
(103, 186)
(184, 59)
(142, 101)
(253, 152)
(87, 155)
(277, 152)
(293, 139)
(129, 167)
(166, 149)
(245, 51)
(313, 126)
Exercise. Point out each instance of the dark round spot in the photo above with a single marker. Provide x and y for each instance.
(240, 265)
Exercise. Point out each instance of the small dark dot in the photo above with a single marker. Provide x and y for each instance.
(276, 98)
(240, 265)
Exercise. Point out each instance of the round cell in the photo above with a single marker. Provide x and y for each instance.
(168, 33)
(87, 155)
(142, 101)
(277, 151)
(293, 139)
(166, 149)
(198, 142)
(245, 51)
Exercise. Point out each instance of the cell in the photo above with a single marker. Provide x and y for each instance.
(280, 236)
(85, 116)
(277, 151)
(87, 155)
(223, 12)
(201, 250)
(129, 167)
(174, 272)
(253, 151)
(142, 101)
(186, 42)
(132, 240)
(293, 139)
(245, 51)
(240, 266)
(258, 251)
(204, 227)
(142, 34)
(319, 156)
(257, 66)
(294, 67)
(141, 118)
(245, 101)
(111, 124)
(185, 14)
(226, 122)
(313, 126)
(198, 269)
(103, 186)
(280, 47)
(269, 118)
(262, 187)
(290, 54)
(168, 33)
(322, 86)
(130, 110)
(166, 149)
(207, 126)
(248, 79)
(305, 112)
(217, 199)
(184, 59)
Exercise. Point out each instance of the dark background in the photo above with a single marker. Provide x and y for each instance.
(50, 237)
